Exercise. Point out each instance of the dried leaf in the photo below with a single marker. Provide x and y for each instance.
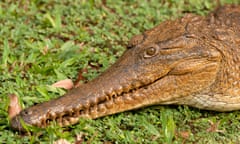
(214, 127)
(184, 134)
(14, 107)
(79, 138)
(61, 141)
(66, 84)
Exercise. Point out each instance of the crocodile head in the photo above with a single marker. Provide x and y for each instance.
(168, 64)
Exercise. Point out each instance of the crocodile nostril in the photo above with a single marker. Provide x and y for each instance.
(26, 112)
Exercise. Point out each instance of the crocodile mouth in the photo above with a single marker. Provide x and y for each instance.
(117, 100)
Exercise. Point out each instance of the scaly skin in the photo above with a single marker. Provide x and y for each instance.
(193, 60)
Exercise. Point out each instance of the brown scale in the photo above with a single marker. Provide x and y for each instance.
(170, 76)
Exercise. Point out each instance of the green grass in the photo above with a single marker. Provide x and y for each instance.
(43, 41)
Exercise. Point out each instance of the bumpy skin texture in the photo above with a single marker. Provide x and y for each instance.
(193, 60)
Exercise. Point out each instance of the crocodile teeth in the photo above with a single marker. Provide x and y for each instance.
(128, 100)
(109, 104)
(65, 122)
(73, 119)
(119, 90)
(102, 108)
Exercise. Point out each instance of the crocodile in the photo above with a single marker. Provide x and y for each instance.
(193, 60)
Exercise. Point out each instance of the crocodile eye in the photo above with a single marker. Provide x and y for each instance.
(151, 51)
